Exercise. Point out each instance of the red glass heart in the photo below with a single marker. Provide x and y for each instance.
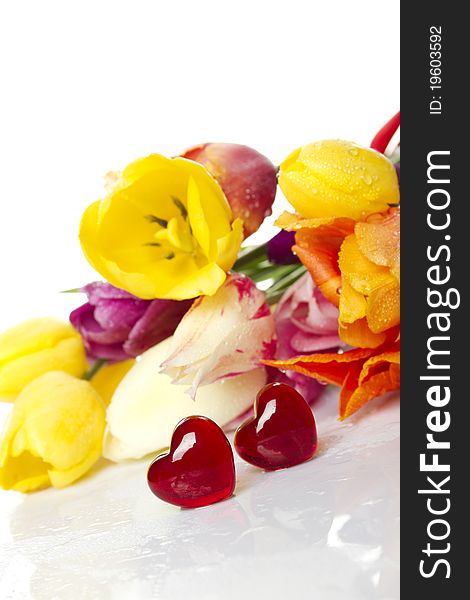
(282, 432)
(198, 469)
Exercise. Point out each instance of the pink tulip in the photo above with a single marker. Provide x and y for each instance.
(306, 323)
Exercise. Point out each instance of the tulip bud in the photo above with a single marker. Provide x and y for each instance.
(54, 435)
(279, 248)
(116, 325)
(247, 178)
(334, 178)
(35, 347)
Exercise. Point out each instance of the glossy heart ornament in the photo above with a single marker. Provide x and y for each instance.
(282, 432)
(198, 469)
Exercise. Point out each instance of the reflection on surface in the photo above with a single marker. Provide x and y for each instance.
(329, 524)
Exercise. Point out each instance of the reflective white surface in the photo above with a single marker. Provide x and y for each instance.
(327, 529)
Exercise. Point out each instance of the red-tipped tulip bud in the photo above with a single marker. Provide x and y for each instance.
(247, 178)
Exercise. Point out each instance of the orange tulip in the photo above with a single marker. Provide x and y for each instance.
(356, 265)
(362, 373)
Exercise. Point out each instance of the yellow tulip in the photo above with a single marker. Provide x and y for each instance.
(109, 377)
(164, 231)
(335, 178)
(54, 434)
(35, 347)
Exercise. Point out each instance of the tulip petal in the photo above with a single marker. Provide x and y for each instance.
(221, 336)
(63, 477)
(349, 386)
(318, 250)
(228, 246)
(391, 357)
(379, 238)
(218, 213)
(324, 226)
(329, 367)
(101, 290)
(84, 321)
(204, 281)
(31, 336)
(90, 242)
(24, 473)
(352, 304)
(198, 221)
(383, 307)
(359, 334)
(157, 323)
(119, 314)
(372, 388)
(68, 355)
(395, 375)
(361, 273)
(323, 270)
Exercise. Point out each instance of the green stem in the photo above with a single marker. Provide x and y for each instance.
(275, 272)
(252, 268)
(275, 292)
(95, 367)
(250, 256)
(294, 273)
(255, 264)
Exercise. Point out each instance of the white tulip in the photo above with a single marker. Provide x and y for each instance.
(147, 406)
(228, 333)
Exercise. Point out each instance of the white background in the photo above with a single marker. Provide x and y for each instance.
(88, 86)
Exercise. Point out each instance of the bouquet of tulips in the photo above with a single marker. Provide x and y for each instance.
(188, 319)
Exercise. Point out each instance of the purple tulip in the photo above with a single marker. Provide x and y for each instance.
(279, 248)
(116, 325)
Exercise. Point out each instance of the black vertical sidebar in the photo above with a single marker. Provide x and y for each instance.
(435, 253)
